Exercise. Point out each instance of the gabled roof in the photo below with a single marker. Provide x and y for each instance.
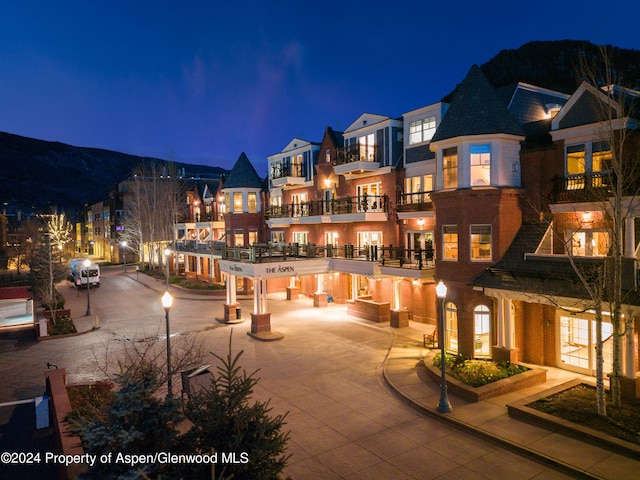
(529, 103)
(366, 120)
(243, 175)
(297, 143)
(477, 109)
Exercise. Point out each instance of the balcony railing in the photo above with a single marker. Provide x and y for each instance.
(357, 153)
(208, 217)
(286, 168)
(582, 187)
(389, 256)
(414, 202)
(336, 206)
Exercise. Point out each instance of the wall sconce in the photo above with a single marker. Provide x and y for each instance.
(421, 222)
(587, 217)
(327, 183)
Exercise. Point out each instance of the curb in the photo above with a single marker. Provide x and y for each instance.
(519, 449)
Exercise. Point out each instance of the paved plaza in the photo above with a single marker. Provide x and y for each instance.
(358, 407)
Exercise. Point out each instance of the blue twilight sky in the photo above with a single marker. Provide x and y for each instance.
(202, 81)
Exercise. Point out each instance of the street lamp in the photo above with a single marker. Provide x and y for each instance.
(443, 405)
(123, 244)
(167, 300)
(167, 252)
(87, 264)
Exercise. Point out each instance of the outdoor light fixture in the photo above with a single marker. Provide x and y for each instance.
(87, 264)
(443, 405)
(167, 301)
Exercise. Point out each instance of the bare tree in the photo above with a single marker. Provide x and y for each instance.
(153, 200)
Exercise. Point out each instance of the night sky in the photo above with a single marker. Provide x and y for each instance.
(202, 81)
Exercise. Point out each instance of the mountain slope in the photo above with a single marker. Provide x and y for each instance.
(556, 65)
(37, 174)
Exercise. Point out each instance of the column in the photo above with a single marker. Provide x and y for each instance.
(399, 316)
(500, 322)
(260, 318)
(629, 237)
(320, 298)
(232, 312)
(509, 325)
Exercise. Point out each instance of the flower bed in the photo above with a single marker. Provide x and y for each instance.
(494, 388)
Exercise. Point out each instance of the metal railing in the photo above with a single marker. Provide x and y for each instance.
(286, 168)
(336, 206)
(357, 153)
(389, 256)
(414, 202)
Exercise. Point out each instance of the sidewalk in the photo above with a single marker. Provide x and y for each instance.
(489, 418)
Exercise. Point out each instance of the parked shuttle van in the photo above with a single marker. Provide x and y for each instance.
(80, 273)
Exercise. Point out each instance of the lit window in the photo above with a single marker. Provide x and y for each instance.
(237, 202)
(227, 202)
(601, 157)
(451, 327)
(480, 161)
(575, 160)
(422, 130)
(367, 148)
(450, 168)
(450, 242)
(480, 240)
(589, 243)
(253, 237)
(238, 237)
(252, 200)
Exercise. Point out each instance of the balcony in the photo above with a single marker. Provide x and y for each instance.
(582, 188)
(337, 210)
(357, 159)
(286, 173)
(414, 202)
(395, 257)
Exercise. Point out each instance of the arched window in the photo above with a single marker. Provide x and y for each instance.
(482, 331)
(451, 327)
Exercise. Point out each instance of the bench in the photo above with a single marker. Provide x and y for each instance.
(429, 339)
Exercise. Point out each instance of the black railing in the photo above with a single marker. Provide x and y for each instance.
(583, 186)
(287, 168)
(414, 202)
(420, 258)
(357, 153)
(336, 206)
(390, 256)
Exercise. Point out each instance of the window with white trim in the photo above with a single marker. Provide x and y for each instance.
(450, 242)
(480, 241)
(480, 161)
(450, 168)
(422, 130)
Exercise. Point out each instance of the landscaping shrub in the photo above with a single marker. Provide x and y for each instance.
(478, 372)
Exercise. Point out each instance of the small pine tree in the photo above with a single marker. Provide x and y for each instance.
(225, 421)
(137, 422)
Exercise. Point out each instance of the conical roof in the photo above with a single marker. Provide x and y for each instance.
(477, 109)
(243, 175)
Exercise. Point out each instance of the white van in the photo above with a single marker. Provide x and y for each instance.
(79, 273)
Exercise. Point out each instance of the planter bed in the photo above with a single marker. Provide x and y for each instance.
(534, 376)
(521, 411)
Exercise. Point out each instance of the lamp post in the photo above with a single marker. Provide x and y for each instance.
(123, 244)
(443, 405)
(167, 300)
(87, 264)
(167, 252)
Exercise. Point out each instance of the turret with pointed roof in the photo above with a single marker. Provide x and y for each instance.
(243, 175)
(477, 109)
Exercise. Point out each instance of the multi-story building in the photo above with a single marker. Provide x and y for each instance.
(475, 193)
